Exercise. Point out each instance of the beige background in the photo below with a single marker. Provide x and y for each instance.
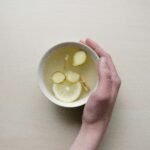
(28, 121)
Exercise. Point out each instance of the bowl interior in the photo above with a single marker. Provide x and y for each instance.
(41, 77)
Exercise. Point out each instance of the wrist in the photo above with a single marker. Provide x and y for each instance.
(89, 137)
(95, 130)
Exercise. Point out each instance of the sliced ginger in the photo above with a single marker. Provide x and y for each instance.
(58, 77)
(84, 84)
(72, 76)
(79, 58)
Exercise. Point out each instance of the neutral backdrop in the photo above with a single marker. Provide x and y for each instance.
(28, 121)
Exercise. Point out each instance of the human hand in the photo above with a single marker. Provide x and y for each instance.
(97, 111)
(101, 101)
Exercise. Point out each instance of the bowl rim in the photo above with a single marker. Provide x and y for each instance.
(43, 87)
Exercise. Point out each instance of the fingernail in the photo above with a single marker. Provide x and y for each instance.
(82, 41)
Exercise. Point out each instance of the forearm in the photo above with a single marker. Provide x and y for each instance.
(89, 136)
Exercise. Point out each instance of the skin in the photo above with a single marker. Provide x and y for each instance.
(97, 111)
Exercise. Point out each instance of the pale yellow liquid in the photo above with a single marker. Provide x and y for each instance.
(55, 62)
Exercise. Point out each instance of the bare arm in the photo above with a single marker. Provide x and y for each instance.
(97, 111)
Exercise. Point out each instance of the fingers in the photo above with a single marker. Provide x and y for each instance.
(104, 88)
(109, 80)
(94, 46)
(100, 52)
(82, 41)
(98, 102)
(116, 82)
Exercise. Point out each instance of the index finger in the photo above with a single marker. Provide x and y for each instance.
(100, 52)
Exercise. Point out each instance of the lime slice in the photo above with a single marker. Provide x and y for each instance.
(79, 58)
(72, 76)
(58, 77)
(67, 92)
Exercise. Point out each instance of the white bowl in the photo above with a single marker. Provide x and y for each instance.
(43, 86)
